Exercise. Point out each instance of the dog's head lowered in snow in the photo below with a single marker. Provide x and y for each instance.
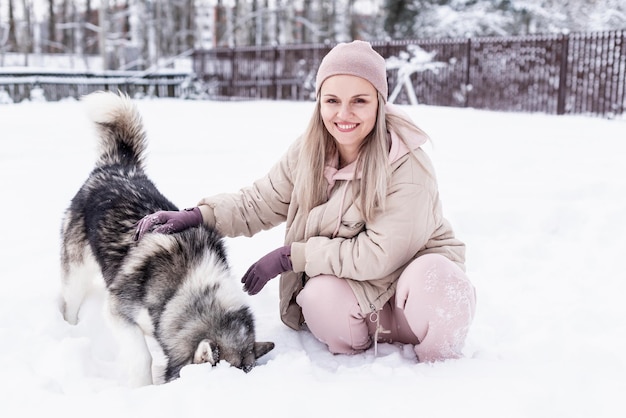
(232, 341)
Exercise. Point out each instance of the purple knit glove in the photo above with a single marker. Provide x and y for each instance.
(168, 222)
(268, 267)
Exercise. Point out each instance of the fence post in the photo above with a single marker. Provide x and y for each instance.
(198, 58)
(274, 76)
(620, 94)
(562, 93)
(233, 69)
(468, 57)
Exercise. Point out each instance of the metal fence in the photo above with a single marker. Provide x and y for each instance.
(53, 86)
(579, 73)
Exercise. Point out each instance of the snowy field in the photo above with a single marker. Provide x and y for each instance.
(540, 201)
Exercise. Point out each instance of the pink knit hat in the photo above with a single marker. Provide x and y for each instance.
(355, 58)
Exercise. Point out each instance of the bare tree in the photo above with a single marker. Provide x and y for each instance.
(88, 44)
(187, 26)
(12, 37)
(283, 23)
(26, 34)
(102, 38)
(342, 16)
(67, 34)
(52, 29)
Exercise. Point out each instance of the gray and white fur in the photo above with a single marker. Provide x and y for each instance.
(177, 288)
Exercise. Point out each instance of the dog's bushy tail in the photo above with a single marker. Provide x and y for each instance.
(119, 127)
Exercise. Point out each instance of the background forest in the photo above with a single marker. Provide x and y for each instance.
(137, 34)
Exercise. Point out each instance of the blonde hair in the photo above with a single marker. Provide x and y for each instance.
(318, 147)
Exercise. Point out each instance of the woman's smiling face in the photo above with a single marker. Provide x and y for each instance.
(348, 106)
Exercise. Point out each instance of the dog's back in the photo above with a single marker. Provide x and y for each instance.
(117, 193)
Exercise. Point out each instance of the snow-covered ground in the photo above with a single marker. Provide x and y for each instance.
(540, 201)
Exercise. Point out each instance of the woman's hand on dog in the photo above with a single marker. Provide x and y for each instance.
(168, 222)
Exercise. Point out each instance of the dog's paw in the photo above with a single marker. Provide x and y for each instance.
(69, 315)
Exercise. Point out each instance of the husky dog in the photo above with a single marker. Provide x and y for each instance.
(177, 288)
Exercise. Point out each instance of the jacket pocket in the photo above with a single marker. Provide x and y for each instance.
(349, 229)
(351, 223)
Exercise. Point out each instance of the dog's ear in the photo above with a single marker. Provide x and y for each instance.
(207, 352)
(260, 349)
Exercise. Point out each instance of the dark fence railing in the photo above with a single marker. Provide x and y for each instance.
(579, 73)
(53, 86)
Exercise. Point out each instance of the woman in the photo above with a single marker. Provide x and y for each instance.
(368, 256)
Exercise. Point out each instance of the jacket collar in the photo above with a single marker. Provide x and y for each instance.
(412, 139)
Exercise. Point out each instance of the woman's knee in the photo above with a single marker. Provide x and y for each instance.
(332, 314)
(322, 291)
(433, 279)
(439, 304)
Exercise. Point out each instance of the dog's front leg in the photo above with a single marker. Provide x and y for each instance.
(134, 351)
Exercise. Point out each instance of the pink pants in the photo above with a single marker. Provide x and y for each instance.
(432, 308)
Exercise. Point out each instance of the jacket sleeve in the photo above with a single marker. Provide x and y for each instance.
(411, 216)
(260, 206)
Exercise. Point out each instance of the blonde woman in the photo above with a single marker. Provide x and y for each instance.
(368, 256)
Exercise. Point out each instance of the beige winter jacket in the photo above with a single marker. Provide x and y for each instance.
(333, 238)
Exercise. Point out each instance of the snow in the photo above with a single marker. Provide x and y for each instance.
(540, 201)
